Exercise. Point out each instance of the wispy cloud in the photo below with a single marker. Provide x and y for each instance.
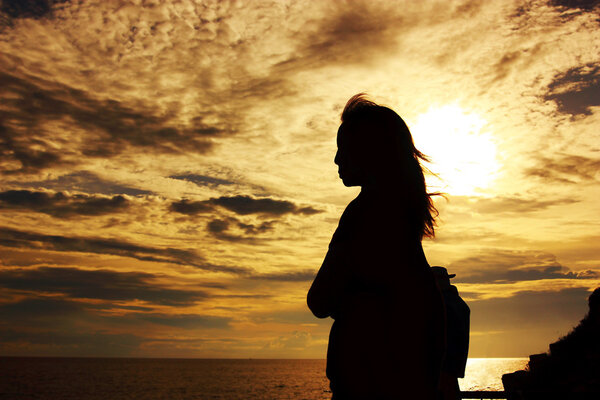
(506, 204)
(61, 205)
(202, 180)
(82, 181)
(69, 343)
(187, 321)
(288, 276)
(98, 284)
(566, 168)
(502, 266)
(22, 239)
(31, 105)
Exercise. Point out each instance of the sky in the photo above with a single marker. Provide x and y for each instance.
(167, 179)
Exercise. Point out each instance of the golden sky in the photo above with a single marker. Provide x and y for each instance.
(168, 185)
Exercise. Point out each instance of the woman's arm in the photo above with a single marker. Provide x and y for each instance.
(325, 294)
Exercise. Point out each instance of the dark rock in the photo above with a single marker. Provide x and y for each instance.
(571, 367)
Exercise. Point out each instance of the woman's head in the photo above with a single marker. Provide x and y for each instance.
(375, 148)
(374, 144)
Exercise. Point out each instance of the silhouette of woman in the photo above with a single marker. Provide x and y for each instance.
(387, 340)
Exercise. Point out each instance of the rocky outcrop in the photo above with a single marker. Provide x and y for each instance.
(571, 367)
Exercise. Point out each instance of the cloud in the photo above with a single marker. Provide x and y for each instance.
(29, 311)
(516, 60)
(242, 205)
(38, 308)
(299, 316)
(506, 204)
(61, 205)
(82, 181)
(576, 91)
(503, 266)
(566, 168)
(62, 343)
(586, 5)
(98, 284)
(57, 326)
(191, 207)
(192, 99)
(525, 323)
(359, 32)
(245, 205)
(30, 159)
(187, 321)
(529, 308)
(20, 239)
(252, 229)
(297, 340)
(233, 230)
(108, 127)
(202, 180)
(27, 8)
(218, 228)
(479, 234)
(305, 275)
(54, 327)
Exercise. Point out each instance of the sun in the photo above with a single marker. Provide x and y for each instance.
(462, 154)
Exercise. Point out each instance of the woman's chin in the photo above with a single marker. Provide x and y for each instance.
(349, 182)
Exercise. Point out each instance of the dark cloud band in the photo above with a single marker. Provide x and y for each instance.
(20, 239)
(97, 284)
(81, 181)
(202, 180)
(61, 205)
(242, 205)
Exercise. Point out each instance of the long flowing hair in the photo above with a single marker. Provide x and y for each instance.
(390, 149)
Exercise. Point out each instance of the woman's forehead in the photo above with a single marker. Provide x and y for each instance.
(342, 135)
(345, 131)
(351, 133)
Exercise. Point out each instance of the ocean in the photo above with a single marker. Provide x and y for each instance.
(179, 379)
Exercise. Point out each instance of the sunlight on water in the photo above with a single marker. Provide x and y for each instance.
(486, 373)
(181, 379)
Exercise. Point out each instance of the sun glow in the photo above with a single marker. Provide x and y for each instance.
(462, 155)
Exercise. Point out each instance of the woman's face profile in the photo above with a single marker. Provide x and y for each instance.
(349, 157)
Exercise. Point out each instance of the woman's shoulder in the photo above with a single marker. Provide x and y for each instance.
(371, 217)
(348, 222)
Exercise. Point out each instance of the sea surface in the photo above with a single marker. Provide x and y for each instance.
(179, 379)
